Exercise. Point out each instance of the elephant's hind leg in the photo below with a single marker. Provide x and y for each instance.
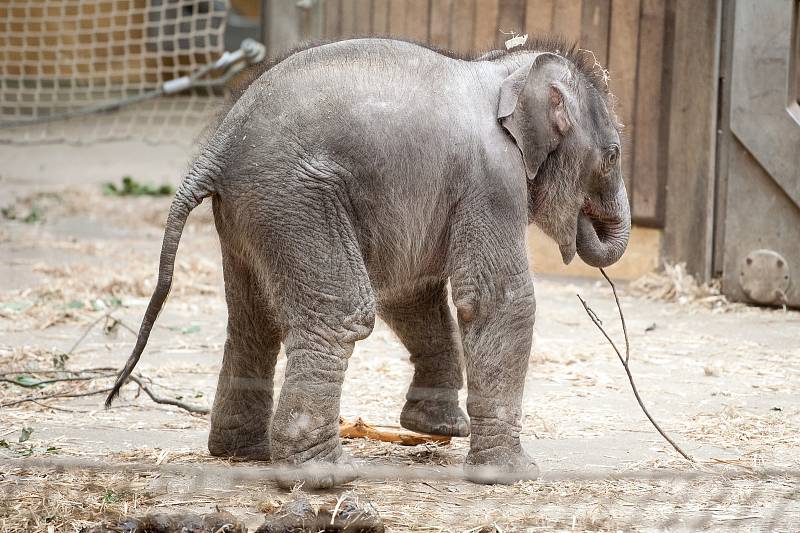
(328, 305)
(240, 418)
(425, 326)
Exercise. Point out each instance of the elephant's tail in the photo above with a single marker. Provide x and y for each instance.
(196, 186)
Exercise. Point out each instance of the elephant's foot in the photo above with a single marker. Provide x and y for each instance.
(500, 465)
(325, 472)
(236, 447)
(312, 457)
(435, 417)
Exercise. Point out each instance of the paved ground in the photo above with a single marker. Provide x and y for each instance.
(723, 381)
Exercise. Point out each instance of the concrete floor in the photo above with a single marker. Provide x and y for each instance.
(723, 382)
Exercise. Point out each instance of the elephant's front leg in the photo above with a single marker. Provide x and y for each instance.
(423, 322)
(242, 409)
(496, 313)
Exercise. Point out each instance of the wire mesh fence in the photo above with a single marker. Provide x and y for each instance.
(429, 497)
(61, 56)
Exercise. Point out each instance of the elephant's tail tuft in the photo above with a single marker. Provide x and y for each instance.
(196, 186)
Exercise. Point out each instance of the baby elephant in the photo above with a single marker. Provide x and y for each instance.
(355, 179)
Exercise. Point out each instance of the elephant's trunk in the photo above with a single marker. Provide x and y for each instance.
(604, 227)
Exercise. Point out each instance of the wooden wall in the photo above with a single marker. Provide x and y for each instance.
(627, 36)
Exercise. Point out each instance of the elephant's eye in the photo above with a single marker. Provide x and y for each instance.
(611, 156)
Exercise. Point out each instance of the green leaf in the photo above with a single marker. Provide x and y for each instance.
(74, 304)
(28, 381)
(110, 497)
(131, 187)
(35, 215)
(52, 449)
(25, 434)
(187, 330)
(27, 452)
(16, 306)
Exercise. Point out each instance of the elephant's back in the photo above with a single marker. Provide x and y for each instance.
(392, 125)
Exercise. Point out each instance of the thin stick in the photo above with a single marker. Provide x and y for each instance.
(621, 316)
(89, 328)
(35, 371)
(48, 381)
(135, 378)
(625, 360)
(55, 395)
(196, 409)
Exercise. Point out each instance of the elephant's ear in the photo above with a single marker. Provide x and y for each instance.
(533, 107)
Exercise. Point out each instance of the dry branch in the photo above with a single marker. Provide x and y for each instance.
(79, 375)
(136, 378)
(361, 430)
(195, 409)
(49, 381)
(53, 396)
(626, 359)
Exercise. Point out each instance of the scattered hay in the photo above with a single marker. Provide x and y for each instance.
(751, 434)
(675, 284)
(68, 293)
(46, 500)
(16, 358)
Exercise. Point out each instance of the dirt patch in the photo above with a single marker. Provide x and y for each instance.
(722, 383)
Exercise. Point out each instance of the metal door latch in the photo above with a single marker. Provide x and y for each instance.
(765, 277)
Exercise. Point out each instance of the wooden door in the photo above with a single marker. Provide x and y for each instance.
(759, 230)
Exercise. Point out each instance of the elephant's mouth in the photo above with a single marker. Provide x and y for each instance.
(603, 230)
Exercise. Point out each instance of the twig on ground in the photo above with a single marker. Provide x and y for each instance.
(136, 378)
(626, 359)
(35, 371)
(56, 408)
(49, 381)
(196, 409)
(361, 430)
(89, 328)
(53, 396)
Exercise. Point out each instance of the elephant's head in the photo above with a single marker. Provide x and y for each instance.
(558, 112)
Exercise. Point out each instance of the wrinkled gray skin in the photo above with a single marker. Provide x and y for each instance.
(355, 179)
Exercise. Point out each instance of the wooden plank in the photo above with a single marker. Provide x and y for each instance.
(652, 102)
(332, 21)
(440, 23)
(692, 132)
(595, 22)
(347, 15)
(486, 33)
(510, 19)
(462, 26)
(284, 26)
(623, 44)
(397, 18)
(567, 19)
(380, 17)
(362, 17)
(725, 138)
(539, 16)
(311, 22)
(417, 20)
